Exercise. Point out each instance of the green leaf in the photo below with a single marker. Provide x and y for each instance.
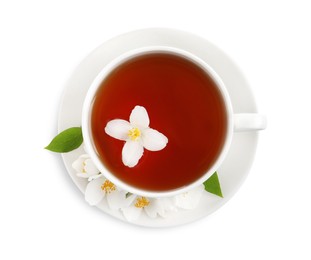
(128, 194)
(212, 185)
(66, 141)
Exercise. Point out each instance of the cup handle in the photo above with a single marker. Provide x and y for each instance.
(249, 122)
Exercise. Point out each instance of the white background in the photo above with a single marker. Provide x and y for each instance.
(44, 216)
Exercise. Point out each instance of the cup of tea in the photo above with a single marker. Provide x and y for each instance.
(158, 121)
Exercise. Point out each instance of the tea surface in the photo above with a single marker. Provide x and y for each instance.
(182, 102)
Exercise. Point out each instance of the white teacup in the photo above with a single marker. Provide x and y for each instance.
(235, 122)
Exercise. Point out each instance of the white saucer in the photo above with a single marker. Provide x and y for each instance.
(237, 164)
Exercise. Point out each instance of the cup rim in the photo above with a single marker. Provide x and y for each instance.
(87, 109)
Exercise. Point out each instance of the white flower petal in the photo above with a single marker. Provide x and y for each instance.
(78, 164)
(93, 193)
(160, 206)
(139, 117)
(131, 213)
(131, 153)
(118, 128)
(167, 206)
(153, 208)
(93, 177)
(90, 167)
(83, 175)
(190, 199)
(130, 199)
(116, 199)
(153, 140)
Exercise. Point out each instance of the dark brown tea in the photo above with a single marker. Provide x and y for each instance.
(182, 102)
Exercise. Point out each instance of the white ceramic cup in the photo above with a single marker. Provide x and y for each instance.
(235, 122)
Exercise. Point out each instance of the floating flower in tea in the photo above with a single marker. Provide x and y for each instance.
(137, 135)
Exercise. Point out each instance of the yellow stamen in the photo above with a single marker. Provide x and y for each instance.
(134, 133)
(108, 186)
(83, 168)
(141, 202)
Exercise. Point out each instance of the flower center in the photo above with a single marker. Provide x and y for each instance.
(108, 186)
(134, 133)
(142, 202)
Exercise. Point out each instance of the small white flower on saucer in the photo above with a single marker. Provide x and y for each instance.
(137, 135)
(151, 206)
(99, 188)
(190, 199)
(85, 167)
